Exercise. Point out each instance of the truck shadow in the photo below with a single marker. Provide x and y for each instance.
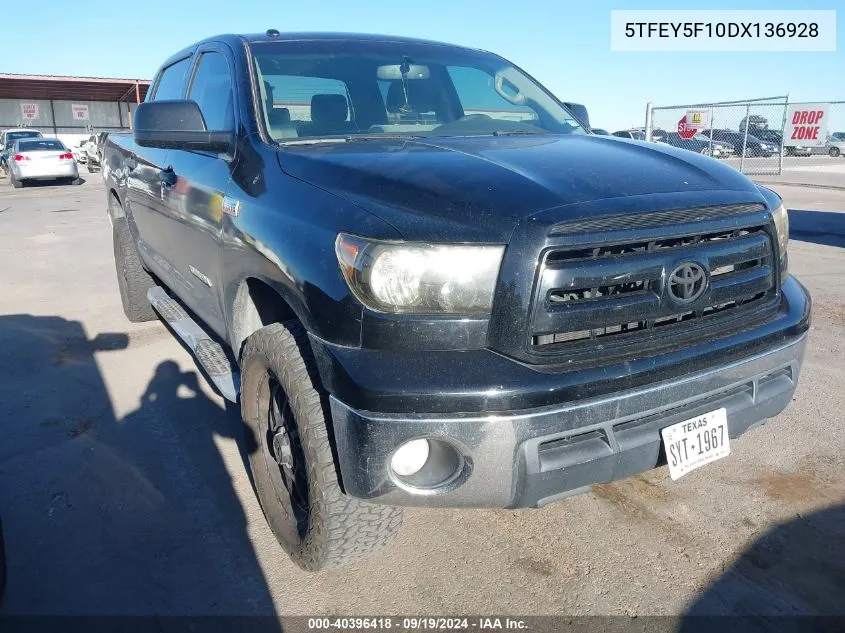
(108, 516)
(796, 569)
(818, 227)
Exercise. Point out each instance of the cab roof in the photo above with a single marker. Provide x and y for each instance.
(236, 40)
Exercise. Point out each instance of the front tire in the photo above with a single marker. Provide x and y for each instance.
(132, 280)
(293, 465)
(834, 152)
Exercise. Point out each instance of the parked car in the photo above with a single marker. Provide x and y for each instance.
(835, 144)
(78, 151)
(442, 310)
(8, 138)
(94, 150)
(599, 131)
(799, 150)
(41, 159)
(753, 145)
(775, 137)
(699, 144)
(632, 134)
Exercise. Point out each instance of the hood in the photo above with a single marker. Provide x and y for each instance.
(478, 188)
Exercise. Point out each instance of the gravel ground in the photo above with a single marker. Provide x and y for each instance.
(123, 490)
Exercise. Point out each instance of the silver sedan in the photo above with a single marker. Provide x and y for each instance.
(835, 145)
(41, 159)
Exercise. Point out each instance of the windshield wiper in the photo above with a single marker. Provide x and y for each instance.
(381, 137)
(349, 138)
(310, 141)
(517, 132)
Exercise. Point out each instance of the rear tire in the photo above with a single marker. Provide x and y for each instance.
(834, 152)
(90, 166)
(17, 184)
(132, 280)
(296, 477)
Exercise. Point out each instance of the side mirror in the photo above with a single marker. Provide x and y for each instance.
(580, 112)
(177, 124)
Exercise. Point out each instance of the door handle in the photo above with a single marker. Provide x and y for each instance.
(168, 177)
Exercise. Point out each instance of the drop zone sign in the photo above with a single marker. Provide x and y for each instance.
(806, 123)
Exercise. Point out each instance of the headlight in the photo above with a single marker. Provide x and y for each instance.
(420, 277)
(781, 219)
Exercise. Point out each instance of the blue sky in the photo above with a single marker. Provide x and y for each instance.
(564, 45)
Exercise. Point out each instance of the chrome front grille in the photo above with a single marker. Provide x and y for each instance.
(616, 293)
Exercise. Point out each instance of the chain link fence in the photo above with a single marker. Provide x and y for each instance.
(748, 134)
(727, 131)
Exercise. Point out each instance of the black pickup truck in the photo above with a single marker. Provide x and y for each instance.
(428, 285)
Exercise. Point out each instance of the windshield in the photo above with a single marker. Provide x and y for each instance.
(343, 90)
(41, 145)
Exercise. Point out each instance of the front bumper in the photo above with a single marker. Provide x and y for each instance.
(530, 457)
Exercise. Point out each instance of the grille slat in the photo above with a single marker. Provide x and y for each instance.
(616, 292)
(654, 218)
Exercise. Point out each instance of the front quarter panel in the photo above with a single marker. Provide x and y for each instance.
(283, 234)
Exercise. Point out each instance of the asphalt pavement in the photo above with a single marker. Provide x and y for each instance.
(123, 490)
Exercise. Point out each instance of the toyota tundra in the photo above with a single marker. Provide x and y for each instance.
(428, 284)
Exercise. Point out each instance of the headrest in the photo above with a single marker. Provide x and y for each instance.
(329, 108)
(420, 96)
(278, 116)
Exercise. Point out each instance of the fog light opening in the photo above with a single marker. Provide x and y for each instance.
(426, 464)
(410, 457)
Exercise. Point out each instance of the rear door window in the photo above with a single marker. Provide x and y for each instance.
(171, 83)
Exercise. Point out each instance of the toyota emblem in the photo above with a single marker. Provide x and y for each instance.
(686, 283)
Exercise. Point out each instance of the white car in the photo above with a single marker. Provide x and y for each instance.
(79, 152)
(93, 148)
(7, 140)
(41, 159)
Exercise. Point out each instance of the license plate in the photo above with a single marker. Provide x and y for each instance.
(695, 442)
